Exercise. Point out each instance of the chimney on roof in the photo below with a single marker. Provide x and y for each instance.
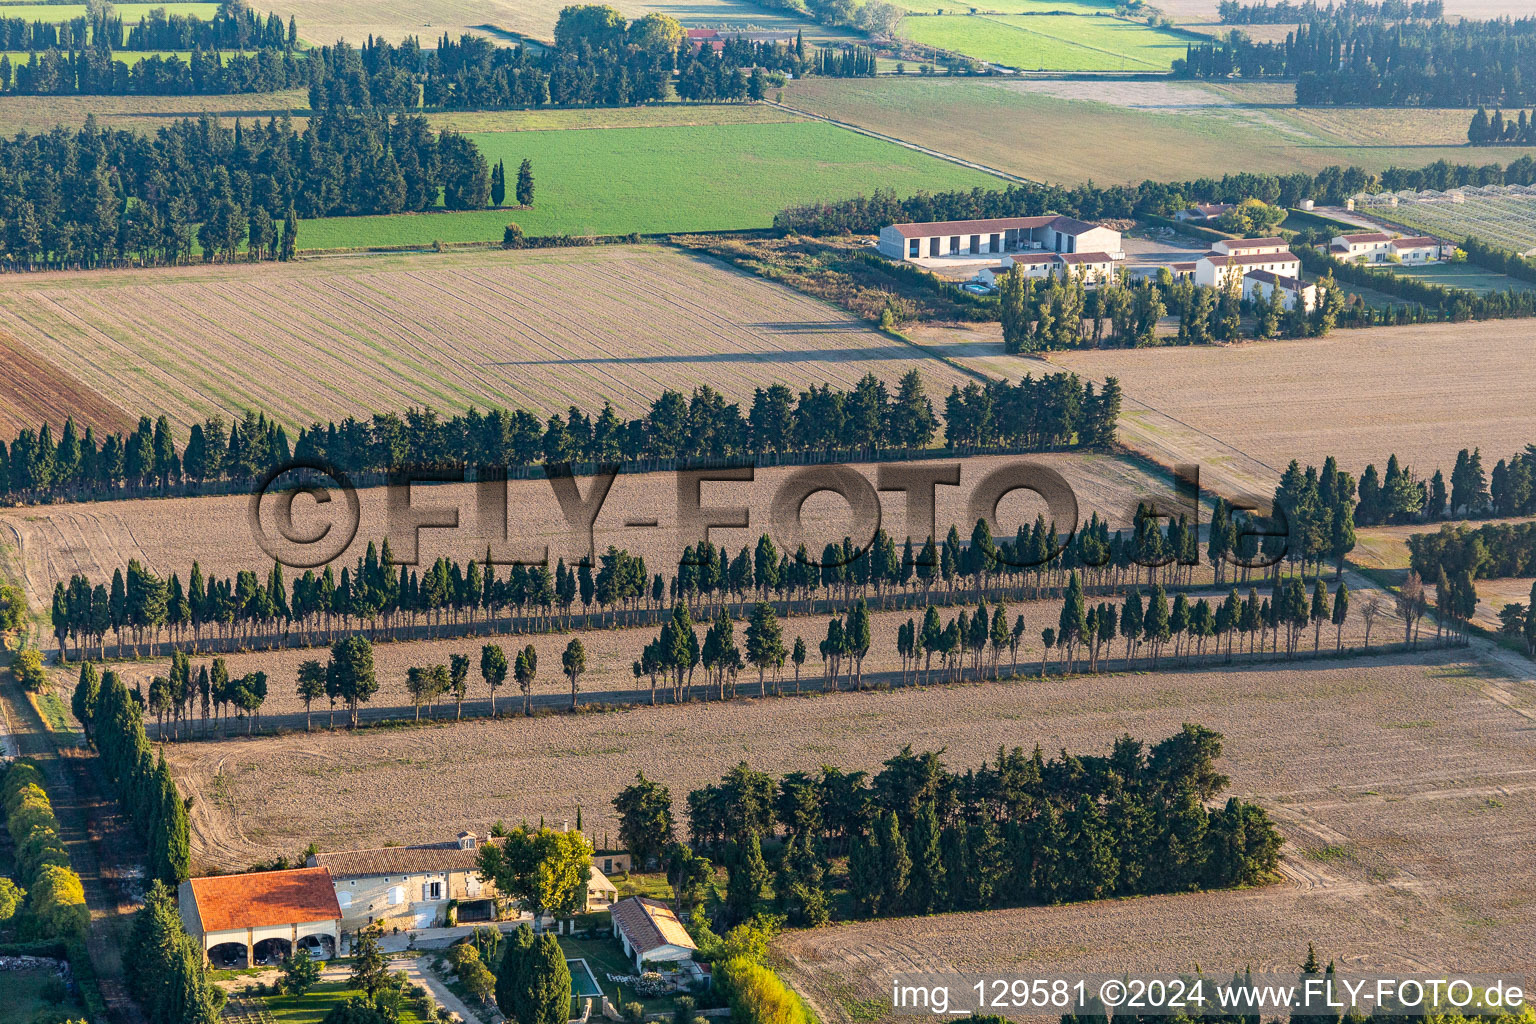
(565, 825)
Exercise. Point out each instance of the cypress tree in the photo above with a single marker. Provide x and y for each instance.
(894, 866)
(925, 885)
(525, 183)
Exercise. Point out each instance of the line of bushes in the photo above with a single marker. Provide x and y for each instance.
(55, 897)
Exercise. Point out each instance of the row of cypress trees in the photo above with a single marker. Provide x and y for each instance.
(113, 720)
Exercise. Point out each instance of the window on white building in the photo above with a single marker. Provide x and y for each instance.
(396, 895)
(344, 899)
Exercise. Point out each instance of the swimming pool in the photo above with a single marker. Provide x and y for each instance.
(583, 981)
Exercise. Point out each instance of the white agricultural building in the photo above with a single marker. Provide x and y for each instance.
(1380, 247)
(1092, 268)
(1251, 246)
(1258, 284)
(969, 238)
(241, 920)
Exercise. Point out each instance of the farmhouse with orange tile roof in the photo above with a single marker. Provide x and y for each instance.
(264, 914)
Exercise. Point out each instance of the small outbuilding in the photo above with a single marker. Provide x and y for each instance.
(651, 932)
(261, 917)
(601, 893)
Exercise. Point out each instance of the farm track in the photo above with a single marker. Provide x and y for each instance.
(812, 684)
(92, 833)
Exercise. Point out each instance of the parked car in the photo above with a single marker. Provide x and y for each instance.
(317, 949)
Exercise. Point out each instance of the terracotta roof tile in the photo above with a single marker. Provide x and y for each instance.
(227, 902)
(650, 924)
(398, 860)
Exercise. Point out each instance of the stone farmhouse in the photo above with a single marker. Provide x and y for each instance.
(971, 238)
(415, 886)
(409, 886)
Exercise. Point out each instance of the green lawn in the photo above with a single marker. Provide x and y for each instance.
(24, 1000)
(699, 178)
(1462, 275)
(1050, 42)
(312, 1006)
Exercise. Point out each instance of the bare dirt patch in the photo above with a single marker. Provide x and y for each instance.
(34, 391)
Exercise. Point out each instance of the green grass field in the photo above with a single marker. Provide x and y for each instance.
(1050, 42)
(130, 14)
(129, 57)
(1134, 130)
(1462, 275)
(619, 180)
(312, 1006)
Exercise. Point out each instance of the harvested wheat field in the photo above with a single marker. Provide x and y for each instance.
(611, 653)
(168, 534)
(1402, 788)
(1423, 392)
(322, 340)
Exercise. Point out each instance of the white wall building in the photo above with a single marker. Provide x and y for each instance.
(1092, 268)
(1251, 246)
(650, 931)
(1365, 247)
(1258, 284)
(1219, 270)
(969, 238)
(1417, 249)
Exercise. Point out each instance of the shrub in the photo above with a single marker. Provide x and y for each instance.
(632, 1012)
(461, 955)
(58, 900)
(512, 237)
(28, 667)
(300, 973)
(757, 996)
